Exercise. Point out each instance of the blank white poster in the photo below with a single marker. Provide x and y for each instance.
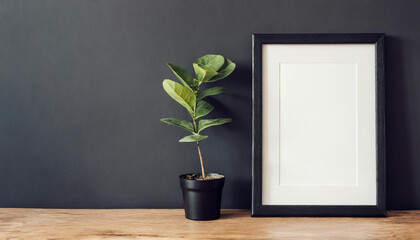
(319, 124)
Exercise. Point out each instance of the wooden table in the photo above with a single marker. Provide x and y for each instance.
(171, 224)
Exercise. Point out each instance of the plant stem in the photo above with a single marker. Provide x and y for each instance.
(198, 147)
(201, 160)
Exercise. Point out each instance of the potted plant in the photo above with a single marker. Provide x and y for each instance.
(202, 192)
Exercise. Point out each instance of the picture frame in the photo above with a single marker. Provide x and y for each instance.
(318, 131)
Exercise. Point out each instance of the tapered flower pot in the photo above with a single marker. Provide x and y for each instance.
(202, 198)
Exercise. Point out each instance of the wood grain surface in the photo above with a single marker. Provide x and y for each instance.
(171, 224)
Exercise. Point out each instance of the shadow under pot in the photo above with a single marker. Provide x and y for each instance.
(202, 198)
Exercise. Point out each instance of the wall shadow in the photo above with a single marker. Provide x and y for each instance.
(400, 192)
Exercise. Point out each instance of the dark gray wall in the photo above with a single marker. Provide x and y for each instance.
(81, 95)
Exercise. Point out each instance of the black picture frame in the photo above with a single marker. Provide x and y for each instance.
(260, 210)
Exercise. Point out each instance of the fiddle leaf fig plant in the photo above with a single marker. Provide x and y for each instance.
(208, 69)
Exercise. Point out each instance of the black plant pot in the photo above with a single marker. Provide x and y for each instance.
(202, 198)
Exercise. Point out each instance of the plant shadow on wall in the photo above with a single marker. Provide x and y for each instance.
(400, 162)
(238, 189)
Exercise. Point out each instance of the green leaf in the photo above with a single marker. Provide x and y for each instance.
(181, 94)
(203, 73)
(211, 91)
(183, 75)
(225, 71)
(203, 108)
(205, 123)
(199, 72)
(214, 62)
(179, 123)
(193, 138)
